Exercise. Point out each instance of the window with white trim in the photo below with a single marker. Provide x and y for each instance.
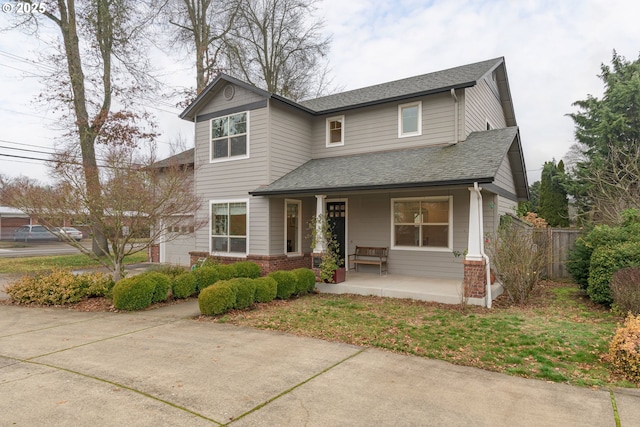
(422, 223)
(410, 119)
(229, 227)
(230, 137)
(293, 226)
(335, 131)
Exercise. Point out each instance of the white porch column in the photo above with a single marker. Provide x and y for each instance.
(475, 243)
(320, 212)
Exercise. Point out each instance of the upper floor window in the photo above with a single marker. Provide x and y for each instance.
(410, 119)
(422, 223)
(335, 131)
(230, 137)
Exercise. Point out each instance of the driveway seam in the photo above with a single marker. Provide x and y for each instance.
(122, 386)
(289, 390)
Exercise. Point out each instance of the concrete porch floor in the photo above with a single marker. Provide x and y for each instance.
(447, 291)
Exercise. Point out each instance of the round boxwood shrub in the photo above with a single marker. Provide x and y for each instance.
(266, 289)
(605, 261)
(287, 283)
(184, 285)
(205, 277)
(245, 292)
(162, 284)
(247, 269)
(306, 280)
(217, 299)
(226, 271)
(133, 293)
(623, 349)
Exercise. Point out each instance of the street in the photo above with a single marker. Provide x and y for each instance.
(9, 249)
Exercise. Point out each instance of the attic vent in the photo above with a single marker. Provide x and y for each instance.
(229, 91)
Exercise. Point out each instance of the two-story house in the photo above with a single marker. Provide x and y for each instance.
(424, 166)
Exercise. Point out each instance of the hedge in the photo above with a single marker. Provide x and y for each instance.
(245, 292)
(247, 269)
(162, 284)
(184, 285)
(266, 289)
(605, 261)
(287, 283)
(133, 293)
(205, 277)
(217, 299)
(305, 280)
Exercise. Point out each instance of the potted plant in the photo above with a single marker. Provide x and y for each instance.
(330, 265)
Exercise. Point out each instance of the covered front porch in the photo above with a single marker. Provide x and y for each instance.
(446, 291)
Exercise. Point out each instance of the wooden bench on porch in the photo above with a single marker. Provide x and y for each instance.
(369, 255)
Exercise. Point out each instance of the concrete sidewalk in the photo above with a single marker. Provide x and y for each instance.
(161, 367)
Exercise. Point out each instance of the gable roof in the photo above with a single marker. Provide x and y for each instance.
(186, 157)
(475, 160)
(440, 81)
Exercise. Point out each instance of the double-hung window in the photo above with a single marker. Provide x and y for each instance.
(229, 227)
(422, 223)
(335, 131)
(410, 119)
(230, 137)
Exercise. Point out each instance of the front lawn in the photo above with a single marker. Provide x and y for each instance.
(43, 263)
(561, 336)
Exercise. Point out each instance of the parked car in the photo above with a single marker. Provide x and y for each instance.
(33, 232)
(74, 233)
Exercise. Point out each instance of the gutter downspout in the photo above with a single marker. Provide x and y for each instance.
(455, 116)
(481, 236)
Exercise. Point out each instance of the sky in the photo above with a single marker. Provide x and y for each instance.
(553, 52)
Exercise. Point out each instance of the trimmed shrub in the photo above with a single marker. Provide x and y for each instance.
(625, 290)
(133, 293)
(247, 269)
(59, 287)
(171, 270)
(205, 277)
(306, 280)
(266, 289)
(245, 292)
(184, 285)
(287, 283)
(604, 262)
(217, 299)
(624, 349)
(162, 284)
(226, 271)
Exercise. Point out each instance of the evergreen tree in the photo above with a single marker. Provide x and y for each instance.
(554, 205)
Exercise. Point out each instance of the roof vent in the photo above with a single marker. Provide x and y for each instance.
(229, 91)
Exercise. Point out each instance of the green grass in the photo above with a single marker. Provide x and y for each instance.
(559, 337)
(43, 263)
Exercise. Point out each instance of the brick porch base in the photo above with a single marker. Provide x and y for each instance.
(475, 279)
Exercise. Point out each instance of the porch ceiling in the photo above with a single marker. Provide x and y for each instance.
(475, 160)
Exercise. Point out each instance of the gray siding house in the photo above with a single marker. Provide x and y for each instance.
(424, 166)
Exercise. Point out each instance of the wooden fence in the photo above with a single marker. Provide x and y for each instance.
(562, 240)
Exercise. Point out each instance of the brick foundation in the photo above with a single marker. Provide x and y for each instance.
(267, 263)
(475, 279)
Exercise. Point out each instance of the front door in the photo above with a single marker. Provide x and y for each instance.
(337, 217)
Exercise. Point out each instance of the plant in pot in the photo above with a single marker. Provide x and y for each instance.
(330, 265)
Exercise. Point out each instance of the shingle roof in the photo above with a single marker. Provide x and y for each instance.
(183, 158)
(475, 160)
(458, 77)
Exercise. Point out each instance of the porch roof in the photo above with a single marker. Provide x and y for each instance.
(475, 160)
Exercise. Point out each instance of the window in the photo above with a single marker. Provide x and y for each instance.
(229, 227)
(410, 119)
(229, 137)
(293, 226)
(424, 223)
(335, 131)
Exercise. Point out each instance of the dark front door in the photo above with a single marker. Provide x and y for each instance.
(337, 217)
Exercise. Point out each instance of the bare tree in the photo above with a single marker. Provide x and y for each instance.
(202, 25)
(277, 45)
(99, 41)
(136, 196)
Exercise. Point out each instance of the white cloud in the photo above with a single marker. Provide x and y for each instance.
(553, 52)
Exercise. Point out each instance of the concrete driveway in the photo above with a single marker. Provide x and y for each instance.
(161, 367)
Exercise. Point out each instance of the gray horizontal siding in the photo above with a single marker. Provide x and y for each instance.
(219, 103)
(290, 133)
(376, 128)
(481, 104)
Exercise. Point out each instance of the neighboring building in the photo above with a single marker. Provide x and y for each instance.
(393, 165)
(10, 220)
